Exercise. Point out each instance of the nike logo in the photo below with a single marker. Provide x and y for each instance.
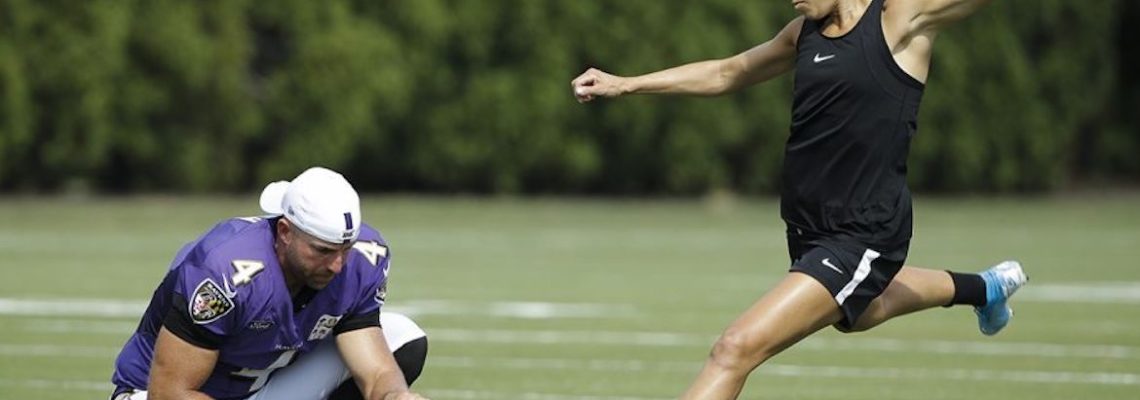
(819, 59)
(827, 262)
(230, 292)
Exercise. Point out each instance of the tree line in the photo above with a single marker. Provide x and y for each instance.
(473, 96)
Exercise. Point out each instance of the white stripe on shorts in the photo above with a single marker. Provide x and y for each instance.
(860, 274)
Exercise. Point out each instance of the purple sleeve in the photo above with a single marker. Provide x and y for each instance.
(204, 303)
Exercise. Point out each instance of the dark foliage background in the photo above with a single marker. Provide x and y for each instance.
(473, 96)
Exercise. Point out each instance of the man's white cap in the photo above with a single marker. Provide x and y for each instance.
(319, 201)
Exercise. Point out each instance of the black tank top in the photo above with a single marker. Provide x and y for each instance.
(853, 114)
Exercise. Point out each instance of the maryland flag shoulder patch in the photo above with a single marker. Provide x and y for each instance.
(209, 302)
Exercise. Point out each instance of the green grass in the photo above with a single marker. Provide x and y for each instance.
(677, 271)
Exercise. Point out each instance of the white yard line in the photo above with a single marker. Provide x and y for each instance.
(58, 384)
(111, 308)
(619, 338)
(644, 339)
(1020, 376)
(1098, 292)
(121, 328)
(649, 339)
(51, 350)
(514, 309)
(63, 307)
(1089, 292)
(813, 371)
(460, 394)
(672, 339)
(636, 366)
(980, 348)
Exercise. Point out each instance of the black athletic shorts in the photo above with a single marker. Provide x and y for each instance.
(852, 272)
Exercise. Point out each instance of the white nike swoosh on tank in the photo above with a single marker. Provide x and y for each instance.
(818, 59)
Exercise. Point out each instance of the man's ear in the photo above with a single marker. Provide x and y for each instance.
(284, 230)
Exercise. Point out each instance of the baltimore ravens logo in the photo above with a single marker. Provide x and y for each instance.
(209, 302)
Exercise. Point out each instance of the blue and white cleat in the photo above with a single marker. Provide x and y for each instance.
(1002, 281)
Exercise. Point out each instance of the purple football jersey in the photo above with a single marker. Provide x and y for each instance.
(230, 288)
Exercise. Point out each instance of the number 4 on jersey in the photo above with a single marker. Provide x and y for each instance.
(373, 251)
(244, 270)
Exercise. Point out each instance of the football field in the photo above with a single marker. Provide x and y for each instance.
(553, 299)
